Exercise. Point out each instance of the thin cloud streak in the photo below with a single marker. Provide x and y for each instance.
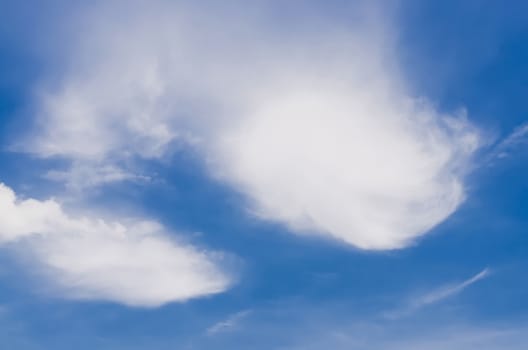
(228, 324)
(436, 296)
(446, 292)
(509, 144)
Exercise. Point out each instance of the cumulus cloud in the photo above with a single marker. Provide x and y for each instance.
(372, 173)
(133, 262)
(317, 128)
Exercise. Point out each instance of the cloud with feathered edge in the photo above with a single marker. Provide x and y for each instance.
(319, 130)
(133, 262)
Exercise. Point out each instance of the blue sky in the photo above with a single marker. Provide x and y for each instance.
(310, 175)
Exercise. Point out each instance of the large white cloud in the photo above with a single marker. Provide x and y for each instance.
(365, 171)
(316, 126)
(133, 262)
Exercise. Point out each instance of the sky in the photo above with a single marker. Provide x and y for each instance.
(263, 175)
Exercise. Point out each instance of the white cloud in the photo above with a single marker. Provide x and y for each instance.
(389, 337)
(229, 323)
(506, 146)
(337, 324)
(517, 136)
(449, 291)
(85, 174)
(436, 296)
(370, 172)
(317, 127)
(133, 262)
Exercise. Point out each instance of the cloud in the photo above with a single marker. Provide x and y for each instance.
(339, 324)
(134, 262)
(84, 174)
(316, 127)
(437, 295)
(229, 323)
(508, 145)
(516, 137)
(449, 291)
(457, 337)
(365, 171)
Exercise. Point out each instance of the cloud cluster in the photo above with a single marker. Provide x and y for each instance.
(133, 262)
(317, 128)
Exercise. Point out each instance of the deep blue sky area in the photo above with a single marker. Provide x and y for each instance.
(290, 289)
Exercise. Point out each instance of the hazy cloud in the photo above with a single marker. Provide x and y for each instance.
(317, 128)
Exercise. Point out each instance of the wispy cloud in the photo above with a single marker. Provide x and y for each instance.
(436, 296)
(449, 291)
(85, 175)
(326, 137)
(433, 337)
(229, 323)
(318, 326)
(504, 148)
(518, 135)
